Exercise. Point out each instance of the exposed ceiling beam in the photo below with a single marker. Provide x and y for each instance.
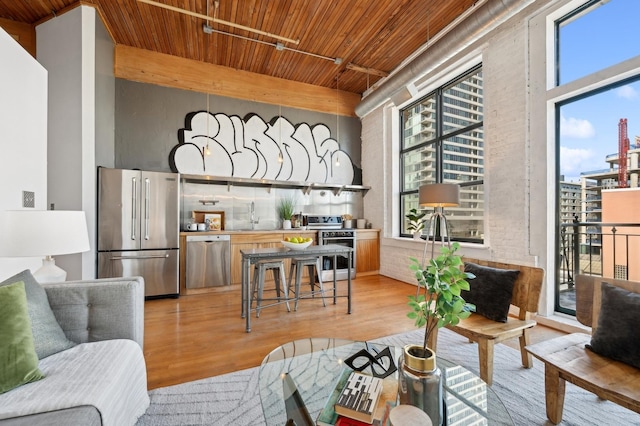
(366, 70)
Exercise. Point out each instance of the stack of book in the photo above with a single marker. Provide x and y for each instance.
(359, 399)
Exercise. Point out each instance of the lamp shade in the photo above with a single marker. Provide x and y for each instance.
(439, 195)
(30, 233)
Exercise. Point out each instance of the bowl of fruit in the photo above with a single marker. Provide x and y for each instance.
(297, 243)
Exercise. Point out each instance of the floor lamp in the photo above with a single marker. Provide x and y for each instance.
(30, 233)
(438, 195)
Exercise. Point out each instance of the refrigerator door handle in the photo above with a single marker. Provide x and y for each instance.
(148, 256)
(147, 206)
(134, 202)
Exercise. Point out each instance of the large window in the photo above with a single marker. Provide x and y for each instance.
(598, 145)
(443, 141)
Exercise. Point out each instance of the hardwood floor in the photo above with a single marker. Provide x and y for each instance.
(199, 336)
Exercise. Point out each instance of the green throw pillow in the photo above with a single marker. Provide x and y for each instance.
(48, 336)
(18, 358)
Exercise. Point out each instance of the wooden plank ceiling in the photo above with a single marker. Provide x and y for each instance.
(376, 35)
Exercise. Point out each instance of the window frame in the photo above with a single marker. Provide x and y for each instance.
(438, 142)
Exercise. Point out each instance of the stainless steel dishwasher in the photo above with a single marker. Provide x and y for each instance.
(208, 261)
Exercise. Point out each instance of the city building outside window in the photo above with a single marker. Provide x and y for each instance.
(442, 141)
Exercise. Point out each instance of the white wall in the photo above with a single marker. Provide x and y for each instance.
(23, 140)
(75, 47)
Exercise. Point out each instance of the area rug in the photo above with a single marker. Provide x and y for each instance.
(232, 399)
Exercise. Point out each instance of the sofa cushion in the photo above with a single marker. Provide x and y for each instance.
(18, 358)
(617, 335)
(48, 336)
(491, 290)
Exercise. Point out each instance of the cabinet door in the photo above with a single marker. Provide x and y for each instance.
(248, 241)
(367, 252)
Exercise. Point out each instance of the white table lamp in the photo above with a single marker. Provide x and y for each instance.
(29, 233)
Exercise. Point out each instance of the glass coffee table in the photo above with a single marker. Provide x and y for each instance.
(312, 366)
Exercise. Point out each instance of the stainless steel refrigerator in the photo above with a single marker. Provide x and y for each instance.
(138, 228)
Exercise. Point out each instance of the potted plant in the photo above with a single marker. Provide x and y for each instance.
(285, 211)
(416, 222)
(438, 303)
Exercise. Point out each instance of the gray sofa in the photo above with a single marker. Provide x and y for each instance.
(100, 381)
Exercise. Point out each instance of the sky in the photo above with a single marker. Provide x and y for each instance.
(589, 127)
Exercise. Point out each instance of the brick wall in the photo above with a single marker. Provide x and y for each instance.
(508, 190)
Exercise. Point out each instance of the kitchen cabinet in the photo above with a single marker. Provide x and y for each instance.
(367, 251)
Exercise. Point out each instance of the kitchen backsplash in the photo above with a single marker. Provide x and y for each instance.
(235, 202)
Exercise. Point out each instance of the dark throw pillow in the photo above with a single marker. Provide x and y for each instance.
(490, 290)
(617, 334)
(18, 358)
(48, 336)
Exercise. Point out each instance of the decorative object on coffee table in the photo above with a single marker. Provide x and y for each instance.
(437, 304)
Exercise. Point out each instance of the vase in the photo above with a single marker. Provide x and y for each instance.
(420, 382)
(286, 224)
(417, 235)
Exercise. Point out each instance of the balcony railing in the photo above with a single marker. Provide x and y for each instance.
(608, 250)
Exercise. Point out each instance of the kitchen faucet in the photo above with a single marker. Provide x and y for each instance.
(253, 220)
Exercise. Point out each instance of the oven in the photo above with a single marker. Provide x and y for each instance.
(330, 232)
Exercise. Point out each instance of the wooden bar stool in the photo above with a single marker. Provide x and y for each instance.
(313, 265)
(257, 288)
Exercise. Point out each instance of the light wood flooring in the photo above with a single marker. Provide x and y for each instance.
(199, 336)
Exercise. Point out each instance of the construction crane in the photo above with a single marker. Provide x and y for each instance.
(623, 148)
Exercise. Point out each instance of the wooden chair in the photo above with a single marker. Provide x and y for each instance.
(566, 359)
(487, 333)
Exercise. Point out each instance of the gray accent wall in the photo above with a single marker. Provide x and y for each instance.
(148, 117)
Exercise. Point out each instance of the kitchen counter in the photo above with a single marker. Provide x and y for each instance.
(367, 250)
(259, 231)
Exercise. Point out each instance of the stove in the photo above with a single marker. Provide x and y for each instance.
(330, 232)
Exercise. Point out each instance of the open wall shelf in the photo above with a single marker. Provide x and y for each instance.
(305, 187)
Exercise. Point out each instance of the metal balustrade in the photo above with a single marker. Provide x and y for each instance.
(608, 250)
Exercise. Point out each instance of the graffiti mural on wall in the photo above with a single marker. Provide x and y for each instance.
(221, 145)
